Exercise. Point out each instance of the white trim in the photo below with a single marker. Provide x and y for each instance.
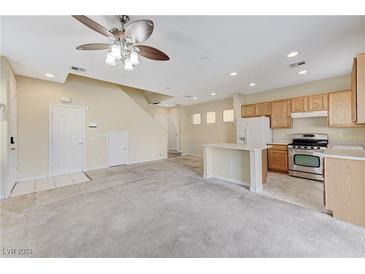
(95, 168)
(238, 182)
(50, 130)
(147, 160)
(32, 178)
(191, 154)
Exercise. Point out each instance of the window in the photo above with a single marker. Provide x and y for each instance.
(197, 119)
(228, 115)
(211, 117)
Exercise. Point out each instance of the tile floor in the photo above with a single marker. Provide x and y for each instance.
(303, 192)
(32, 186)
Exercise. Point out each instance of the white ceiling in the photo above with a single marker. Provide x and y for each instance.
(254, 46)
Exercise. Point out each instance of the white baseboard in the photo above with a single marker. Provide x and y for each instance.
(32, 178)
(238, 182)
(95, 168)
(192, 154)
(89, 169)
(147, 160)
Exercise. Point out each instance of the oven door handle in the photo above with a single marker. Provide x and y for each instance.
(306, 152)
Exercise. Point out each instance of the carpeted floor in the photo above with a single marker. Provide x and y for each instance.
(166, 209)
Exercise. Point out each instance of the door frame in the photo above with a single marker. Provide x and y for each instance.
(50, 134)
(108, 146)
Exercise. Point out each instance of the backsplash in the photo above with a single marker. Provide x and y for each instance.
(319, 125)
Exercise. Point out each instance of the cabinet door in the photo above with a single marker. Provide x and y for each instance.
(280, 114)
(360, 87)
(299, 104)
(317, 102)
(248, 111)
(278, 160)
(263, 109)
(339, 111)
(354, 91)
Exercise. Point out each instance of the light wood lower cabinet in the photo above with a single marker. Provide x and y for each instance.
(345, 189)
(280, 114)
(278, 158)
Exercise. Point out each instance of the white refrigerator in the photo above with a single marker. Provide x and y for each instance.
(254, 131)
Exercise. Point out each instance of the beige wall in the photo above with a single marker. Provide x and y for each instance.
(106, 104)
(317, 125)
(194, 136)
(322, 86)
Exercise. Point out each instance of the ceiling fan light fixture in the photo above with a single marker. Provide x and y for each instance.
(128, 65)
(116, 52)
(110, 59)
(134, 58)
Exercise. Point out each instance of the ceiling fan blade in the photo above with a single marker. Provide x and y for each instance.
(94, 46)
(93, 25)
(140, 30)
(152, 53)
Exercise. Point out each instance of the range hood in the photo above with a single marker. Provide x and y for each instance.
(308, 114)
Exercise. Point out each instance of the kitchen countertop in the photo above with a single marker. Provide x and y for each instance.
(236, 146)
(279, 143)
(345, 152)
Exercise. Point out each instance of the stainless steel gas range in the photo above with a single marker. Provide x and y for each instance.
(306, 155)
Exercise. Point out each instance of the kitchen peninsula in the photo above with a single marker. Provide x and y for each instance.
(236, 163)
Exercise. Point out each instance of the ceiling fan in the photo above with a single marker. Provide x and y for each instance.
(125, 48)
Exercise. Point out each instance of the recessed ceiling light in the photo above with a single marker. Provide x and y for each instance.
(49, 75)
(166, 105)
(233, 73)
(195, 98)
(303, 72)
(252, 84)
(292, 54)
(213, 93)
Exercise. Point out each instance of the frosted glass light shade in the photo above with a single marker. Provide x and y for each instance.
(110, 59)
(134, 58)
(128, 65)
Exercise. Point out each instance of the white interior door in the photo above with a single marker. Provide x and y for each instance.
(67, 140)
(117, 148)
(12, 147)
(173, 135)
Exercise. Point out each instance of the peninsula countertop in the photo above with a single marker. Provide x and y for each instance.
(235, 146)
(345, 152)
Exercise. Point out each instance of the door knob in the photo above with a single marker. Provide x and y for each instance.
(81, 143)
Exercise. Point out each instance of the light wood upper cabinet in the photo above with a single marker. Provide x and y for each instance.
(280, 114)
(317, 102)
(360, 88)
(339, 109)
(248, 111)
(354, 90)
(263, 109)
(299, 104)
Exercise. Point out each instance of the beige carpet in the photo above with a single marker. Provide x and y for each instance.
(166, 209)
